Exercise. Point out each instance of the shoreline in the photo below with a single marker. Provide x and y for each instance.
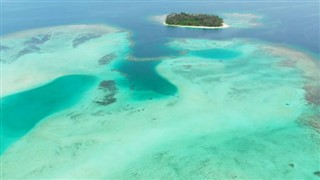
(224, 25)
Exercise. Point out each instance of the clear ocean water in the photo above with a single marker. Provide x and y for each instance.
(280, 20)
(160, 102)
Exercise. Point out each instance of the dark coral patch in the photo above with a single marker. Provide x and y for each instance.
(28, 50)
(291, 165)
(311, 121)
(107, 59)
(312, 94)
(317, 173)
(82, 38)
(37, 40)
(4, 48)
(109, 90)
(107, 99)
(314, 123)
(108, 85)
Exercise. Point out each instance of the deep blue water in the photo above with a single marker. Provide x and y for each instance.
(22, 111)
(294, 23)
(143, 77)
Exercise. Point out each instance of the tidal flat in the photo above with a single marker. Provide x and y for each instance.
(222, 109)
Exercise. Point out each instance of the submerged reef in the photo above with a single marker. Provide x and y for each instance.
(27, 50)
(39, 55)
(107, 59)
(312, 94)
(37, 40)
(203, 114)
(311, 120)
(109, 89)
(82, 38)
(3, 48)
(242, 20)
(317, 173)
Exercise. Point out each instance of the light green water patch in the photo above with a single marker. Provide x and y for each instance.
(216, 53)
(242, 20)
(204, 44)
(283, 152)
(22, 111)
(144, 82)
(216, 50)
(53, 52)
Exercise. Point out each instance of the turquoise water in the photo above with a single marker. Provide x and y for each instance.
(233, 155)
(143, 77)
(220, 54)
(240, 109)
(22, 111)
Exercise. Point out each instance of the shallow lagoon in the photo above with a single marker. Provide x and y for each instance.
(215, 118)
(22, 111)
(217, 109)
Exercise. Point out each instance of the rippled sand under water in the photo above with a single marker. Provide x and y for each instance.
(250, 115)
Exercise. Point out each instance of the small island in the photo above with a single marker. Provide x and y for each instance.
(194, 20)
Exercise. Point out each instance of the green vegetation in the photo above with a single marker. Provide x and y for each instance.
(185, 19)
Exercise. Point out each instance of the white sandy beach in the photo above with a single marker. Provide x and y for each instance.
(224, 25)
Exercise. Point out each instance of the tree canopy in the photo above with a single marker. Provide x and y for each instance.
(194, 19)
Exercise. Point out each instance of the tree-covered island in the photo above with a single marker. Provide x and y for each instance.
(184, 19)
